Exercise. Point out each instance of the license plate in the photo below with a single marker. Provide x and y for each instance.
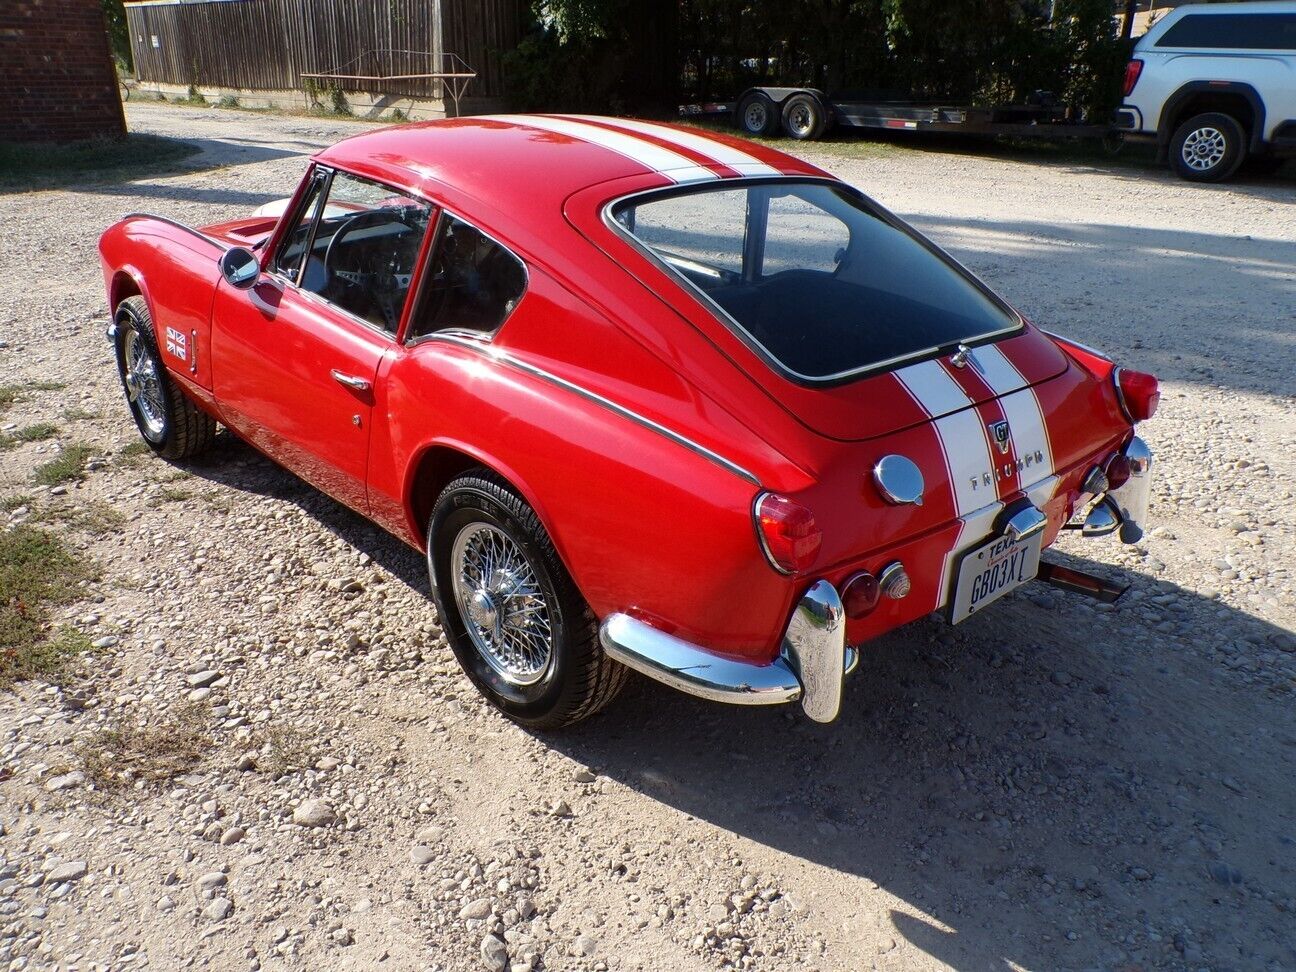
(991, 571)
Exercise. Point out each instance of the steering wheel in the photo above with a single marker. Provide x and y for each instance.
(380, 285)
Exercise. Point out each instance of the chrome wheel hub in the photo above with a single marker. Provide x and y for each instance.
(799, 120)
(144, 385)
(505, 611)
(1204, 149)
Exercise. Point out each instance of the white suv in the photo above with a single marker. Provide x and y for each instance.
(1215, 83)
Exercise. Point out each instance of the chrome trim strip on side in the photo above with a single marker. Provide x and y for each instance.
(504, 357)
(743, 335)
(811, 667)
(179, 225)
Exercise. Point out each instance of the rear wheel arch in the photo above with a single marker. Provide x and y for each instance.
(439, 463)
(1238, 100)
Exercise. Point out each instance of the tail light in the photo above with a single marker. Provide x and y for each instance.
(1132, 71)
(860, 594)
(1140, 393)
(788, 534)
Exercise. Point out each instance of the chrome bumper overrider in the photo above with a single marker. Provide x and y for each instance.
(811, 666)
(1125, 508)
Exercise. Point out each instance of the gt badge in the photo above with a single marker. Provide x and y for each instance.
(175, 344)
(1001, 435)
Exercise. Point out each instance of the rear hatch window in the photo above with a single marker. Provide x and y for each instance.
(822, 285)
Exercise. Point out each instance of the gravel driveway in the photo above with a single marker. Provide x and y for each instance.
(1053, 785)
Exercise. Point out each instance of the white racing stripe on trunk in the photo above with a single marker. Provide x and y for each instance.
(1026, 417)
(734, 158)
(672, 165)
(959, 429)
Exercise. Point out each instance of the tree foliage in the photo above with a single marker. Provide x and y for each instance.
(616, 54)
(114, 12)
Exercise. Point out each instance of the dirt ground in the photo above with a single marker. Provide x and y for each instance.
(1052, 785)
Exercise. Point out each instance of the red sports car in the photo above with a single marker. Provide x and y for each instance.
(649, 398)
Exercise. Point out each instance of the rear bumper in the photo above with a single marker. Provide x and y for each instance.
(811, 666)
(1125, 508)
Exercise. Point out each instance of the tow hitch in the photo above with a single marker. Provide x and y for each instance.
(1079, 582)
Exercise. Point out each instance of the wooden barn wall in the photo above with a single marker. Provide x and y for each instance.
(268, 44)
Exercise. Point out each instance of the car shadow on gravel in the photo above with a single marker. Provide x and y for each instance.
(1052, 785)
(1055, 784)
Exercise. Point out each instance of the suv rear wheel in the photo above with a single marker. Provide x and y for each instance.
(1207, 147)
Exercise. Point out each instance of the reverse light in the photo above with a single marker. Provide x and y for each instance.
(787, 531)
(1140, 393)
(1118, 471)
(860, 594)
(1132, 71)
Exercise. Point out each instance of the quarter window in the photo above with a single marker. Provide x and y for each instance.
(473, 283)
(359, 250)
(1251, 31)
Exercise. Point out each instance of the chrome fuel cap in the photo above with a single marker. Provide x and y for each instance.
(899, 480)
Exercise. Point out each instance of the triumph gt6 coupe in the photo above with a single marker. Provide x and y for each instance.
(648, 397)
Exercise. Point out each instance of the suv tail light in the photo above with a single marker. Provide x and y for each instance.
(787, 532)
(1132, 71)
(1140, 393)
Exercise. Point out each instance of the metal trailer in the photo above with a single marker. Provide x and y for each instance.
(807, 114)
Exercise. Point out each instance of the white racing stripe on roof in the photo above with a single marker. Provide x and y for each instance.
(734, 158)
(672, 165)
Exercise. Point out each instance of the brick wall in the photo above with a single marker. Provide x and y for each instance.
(56, 76)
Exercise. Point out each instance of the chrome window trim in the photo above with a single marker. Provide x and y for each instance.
(310, 295)
(423, 276)
(469, 339)
(746, 337)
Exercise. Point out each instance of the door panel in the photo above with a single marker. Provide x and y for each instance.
(274, 352)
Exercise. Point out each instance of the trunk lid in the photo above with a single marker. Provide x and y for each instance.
(912, 394)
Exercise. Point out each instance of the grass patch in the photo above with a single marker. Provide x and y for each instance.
(281, 750)
(47, 659)
(10, 503)
(121, 755)
(36, 571)
(42, 166)
(96, 518)
(66, 467)
(77, 414)
(133, 453)
(172, 494)
(12, 394)
(32, 433)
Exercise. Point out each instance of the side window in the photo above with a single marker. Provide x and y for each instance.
(362, 250)
(701, 235)
(473, 282)
(294, 244)
(801, 236)
(1249, 31)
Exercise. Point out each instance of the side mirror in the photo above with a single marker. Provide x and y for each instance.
(240, 267)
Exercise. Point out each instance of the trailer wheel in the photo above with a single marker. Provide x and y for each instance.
(804, 117)
(757, 115)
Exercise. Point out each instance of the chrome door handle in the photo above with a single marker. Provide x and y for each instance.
(351, 381)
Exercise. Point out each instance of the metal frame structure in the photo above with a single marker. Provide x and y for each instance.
(454, 73)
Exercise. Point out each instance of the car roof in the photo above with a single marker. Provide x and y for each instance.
(1218, 9)
(511, 161)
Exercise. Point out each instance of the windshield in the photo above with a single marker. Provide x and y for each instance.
(812, 276)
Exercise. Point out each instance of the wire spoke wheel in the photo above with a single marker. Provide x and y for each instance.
(144, 386)
(503, 606)
(1204, 148)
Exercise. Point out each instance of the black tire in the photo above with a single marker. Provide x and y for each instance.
(172, 425)
(804, 118)
(758, 116)
(574, 679)
(1207, 147)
